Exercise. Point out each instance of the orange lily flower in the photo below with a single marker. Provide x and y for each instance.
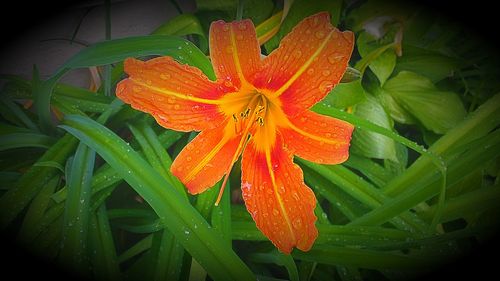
(256, 107)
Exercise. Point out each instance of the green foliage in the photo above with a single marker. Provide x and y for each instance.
(93, 190)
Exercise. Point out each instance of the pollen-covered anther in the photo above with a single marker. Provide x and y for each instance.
(260, 120)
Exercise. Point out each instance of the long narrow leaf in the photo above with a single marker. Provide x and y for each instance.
(183, 221)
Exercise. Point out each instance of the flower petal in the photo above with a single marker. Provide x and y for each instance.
(180, 97)
(309, 62)
(235, 52)
(205, 160)
(280, 203)
(318, 138)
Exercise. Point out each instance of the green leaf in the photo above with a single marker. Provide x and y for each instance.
(221, 215)
(180, 25)
(166, 256)
(424, 101)
(335, 255)
(193, 232)
(382, 65)
(301, 9)
(17, 113)
(102, 247)
(256, 10)
(426, 181)
(183, 24)
(371, 144)
(430, 64)
(77, 210)
(373, 10)
(31, 224)
(345, 95)
(17, 140)
(278, 259)
(18, 197)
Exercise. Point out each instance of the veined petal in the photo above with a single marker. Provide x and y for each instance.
(180, 97)
(309, 62)
(205, 160)
(234, 51)
(280, 203)
(318, 138)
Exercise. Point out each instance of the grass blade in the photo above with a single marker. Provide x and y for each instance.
(77, 210)
(193, 232)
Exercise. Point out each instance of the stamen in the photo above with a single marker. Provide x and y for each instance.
(243, 142)
(260, 120)
(235, 118)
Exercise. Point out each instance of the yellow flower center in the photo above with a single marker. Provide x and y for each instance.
(253, 112)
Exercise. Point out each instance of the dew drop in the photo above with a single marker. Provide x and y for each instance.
(229, 50)
(165, 76)
(171, 100)
(136, 89)
(326, 72)
(310, 71)
(314, 22)
(189, 158)
(325, 86)
(334, 58)
(242, 26)
(319, 34)
(225, 27)
(297, 53)
(239, 37)
(275, 212)
(295, 196)
(177, 106)
(282, 189)
(297, 223)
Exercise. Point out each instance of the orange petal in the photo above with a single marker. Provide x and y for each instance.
(280, 203)
(205, 160)
(235, 51)
(180, 97)
(309, 62)
(318, 138)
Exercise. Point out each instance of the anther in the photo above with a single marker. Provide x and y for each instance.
(260, 120)
(245, 114)
(235, 118)
(261, 108)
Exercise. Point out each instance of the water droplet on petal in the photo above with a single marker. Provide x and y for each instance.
(326, 72)
(314, 22)
(297, 53)
(319, 34)
(239, 37)
(242, 26)
(325, 86)
(177, 106)
(334, 58)
(225, 27)
(297, 223)
(165, 76)
(310, 71)
(275, 212)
